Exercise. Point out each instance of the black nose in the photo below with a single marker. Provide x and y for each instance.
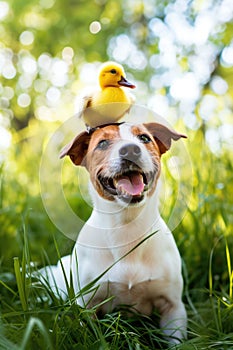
(130, 151)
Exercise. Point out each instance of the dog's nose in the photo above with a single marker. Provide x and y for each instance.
(130, 151)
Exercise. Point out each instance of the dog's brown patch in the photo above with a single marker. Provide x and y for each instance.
(97, 160)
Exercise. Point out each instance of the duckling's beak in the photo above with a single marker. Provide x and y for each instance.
(124, 82)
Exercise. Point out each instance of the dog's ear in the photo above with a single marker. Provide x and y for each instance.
(77, 149)
(163, 135)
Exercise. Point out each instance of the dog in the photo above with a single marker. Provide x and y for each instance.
(125, 246)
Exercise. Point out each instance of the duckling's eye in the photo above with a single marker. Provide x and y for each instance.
(144, 138)
(113, 71)
(103, 145)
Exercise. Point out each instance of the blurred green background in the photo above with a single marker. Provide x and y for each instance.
(180, 56)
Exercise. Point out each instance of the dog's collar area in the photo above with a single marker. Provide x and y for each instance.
(128, 185)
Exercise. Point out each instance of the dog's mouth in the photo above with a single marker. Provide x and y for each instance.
(128, 185)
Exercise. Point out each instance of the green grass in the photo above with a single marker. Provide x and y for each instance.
(32, 317)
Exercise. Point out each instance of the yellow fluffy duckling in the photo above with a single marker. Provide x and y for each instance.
(111, 102)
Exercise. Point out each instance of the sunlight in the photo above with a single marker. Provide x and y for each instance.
(9, 71)
(7, 68)
(26, 37)
(44, 62)
(227, 56)
(95, 27)
(44, 113)
(53, 95)
(185, 88)
(121, 47)
(219, 85)
(68, 54)
(24, 100)
(180, 60)
(29, 65)
(4, 9)
(208, 107)
(58, 73)
(5, 141)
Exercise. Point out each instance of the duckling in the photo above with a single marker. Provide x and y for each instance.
(111, 102)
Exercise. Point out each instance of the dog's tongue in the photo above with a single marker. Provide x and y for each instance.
(132, 184)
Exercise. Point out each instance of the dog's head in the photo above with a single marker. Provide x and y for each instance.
(123, 159)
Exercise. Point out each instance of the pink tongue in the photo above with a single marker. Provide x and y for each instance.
(133, 185)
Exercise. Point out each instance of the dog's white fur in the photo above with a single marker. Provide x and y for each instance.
(150, 275)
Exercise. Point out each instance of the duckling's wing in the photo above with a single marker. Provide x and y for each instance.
(87, 99)
(84, 102)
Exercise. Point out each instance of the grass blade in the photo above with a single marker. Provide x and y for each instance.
(230, 272)
(35, 322)
(20, 284)
(8, 288)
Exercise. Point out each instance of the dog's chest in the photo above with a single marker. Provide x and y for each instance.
(133, 270)
(143, 296)
(128, 274)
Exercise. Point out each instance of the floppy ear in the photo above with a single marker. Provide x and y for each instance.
(77, 149)
(163, 135)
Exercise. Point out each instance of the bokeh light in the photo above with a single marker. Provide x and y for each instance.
(4, 9)
(178, 54)
(26, 38)
(95, 27)
(24, 100)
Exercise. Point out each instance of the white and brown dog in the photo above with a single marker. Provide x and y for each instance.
(142, 269)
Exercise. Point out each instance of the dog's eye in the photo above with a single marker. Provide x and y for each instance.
(113, 71)
(144, 138)
(103, 144)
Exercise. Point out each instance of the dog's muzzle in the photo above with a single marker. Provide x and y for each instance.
(129, 182)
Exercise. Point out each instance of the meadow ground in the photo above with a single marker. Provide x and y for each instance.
(33, 318)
